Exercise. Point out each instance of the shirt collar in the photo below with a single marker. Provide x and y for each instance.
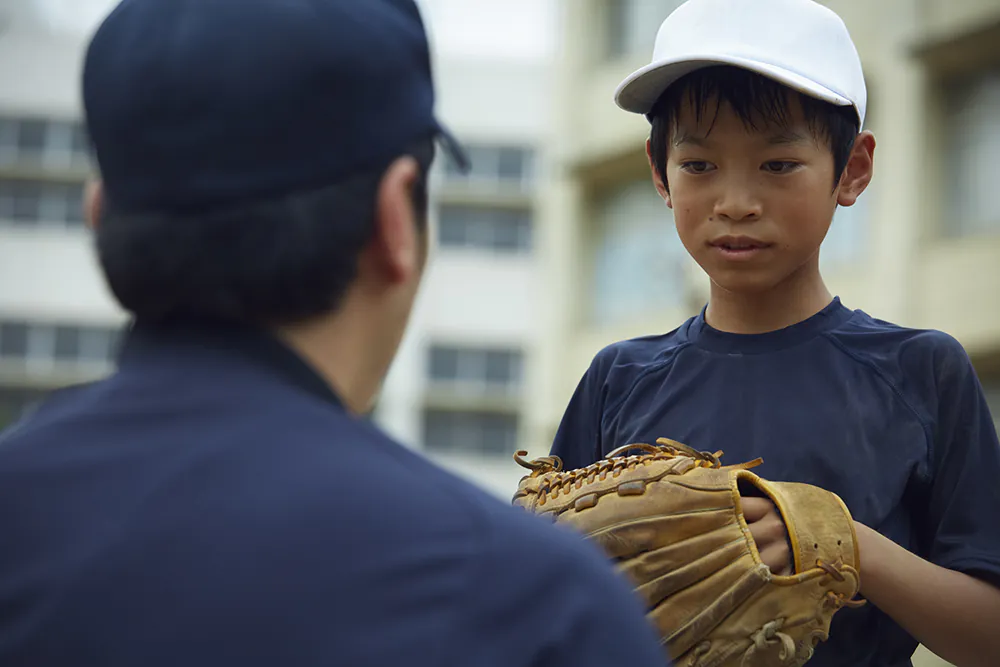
(257, 345)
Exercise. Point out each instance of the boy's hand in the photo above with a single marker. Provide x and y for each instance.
(769, 533)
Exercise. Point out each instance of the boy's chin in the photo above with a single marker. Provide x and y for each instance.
(746, 286)
(760, 280)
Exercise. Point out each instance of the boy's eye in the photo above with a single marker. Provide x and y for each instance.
(696, 166)
(779, 166)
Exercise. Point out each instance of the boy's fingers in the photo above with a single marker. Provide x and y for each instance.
(755, 509)
(767, 530)
(777, 557)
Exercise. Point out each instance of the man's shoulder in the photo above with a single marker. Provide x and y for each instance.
(395, 485)
(510, 561)
(319, 472)
(527, 563)
(399, 486)
(48, 406)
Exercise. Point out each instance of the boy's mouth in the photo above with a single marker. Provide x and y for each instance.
(739, 246)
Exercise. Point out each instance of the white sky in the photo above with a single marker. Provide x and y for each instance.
(514, 29)
(496, 28)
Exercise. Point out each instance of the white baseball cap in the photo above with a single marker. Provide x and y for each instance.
(799, 43)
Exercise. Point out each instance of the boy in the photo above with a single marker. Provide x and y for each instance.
(756, 110)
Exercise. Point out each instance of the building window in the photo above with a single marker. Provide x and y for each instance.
(13, 340)
(32, 136)
(33, 203)
(52, 143)
(97, 343)
(499, 166)
(495, 229)
(470, 432)
(972, 147)
(474, 376)
(631, 25)
(21, 341)
(638, 259)
(480, 370)
(66, 344)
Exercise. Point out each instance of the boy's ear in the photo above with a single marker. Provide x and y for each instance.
(661, 187)
(859, 170)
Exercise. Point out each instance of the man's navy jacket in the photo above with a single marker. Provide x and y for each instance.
(213, 503)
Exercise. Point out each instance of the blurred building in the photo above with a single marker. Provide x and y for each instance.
(458, 386)
(57, 324)
(921, 247)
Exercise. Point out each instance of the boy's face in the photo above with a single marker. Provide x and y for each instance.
(752, 206)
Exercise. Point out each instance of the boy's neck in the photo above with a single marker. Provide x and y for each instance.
(754, 313)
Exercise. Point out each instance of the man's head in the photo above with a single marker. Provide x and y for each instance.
(756, 111)
(263, 163)
(274, 262)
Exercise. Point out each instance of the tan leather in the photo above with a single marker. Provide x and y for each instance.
(671, 520)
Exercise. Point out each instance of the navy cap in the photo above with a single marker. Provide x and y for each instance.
(197, 104)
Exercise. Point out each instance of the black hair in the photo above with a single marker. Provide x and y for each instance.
(265, 263)
(754, 99)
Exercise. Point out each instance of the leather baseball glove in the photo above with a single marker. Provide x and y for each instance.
(670, 518)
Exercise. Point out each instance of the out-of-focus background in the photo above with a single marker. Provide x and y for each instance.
(556, 244)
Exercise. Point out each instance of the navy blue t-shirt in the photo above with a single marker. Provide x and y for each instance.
(213, 503)
(892, 419)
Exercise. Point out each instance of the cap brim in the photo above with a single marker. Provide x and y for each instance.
(453, 149)
(641, 89)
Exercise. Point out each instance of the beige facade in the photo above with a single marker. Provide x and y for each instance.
(921, 248)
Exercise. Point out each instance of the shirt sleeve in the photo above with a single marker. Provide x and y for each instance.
(578, 440)
(962, 531)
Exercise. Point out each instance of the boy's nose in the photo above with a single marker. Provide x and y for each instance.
(737, 203)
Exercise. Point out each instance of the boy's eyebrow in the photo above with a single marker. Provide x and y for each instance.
(786, 137)
(780, 138)
(688, 138)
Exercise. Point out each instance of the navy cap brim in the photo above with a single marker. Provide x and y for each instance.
(454, 149)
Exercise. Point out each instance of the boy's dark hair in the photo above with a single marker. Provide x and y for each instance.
(266, 263)
(754, 99)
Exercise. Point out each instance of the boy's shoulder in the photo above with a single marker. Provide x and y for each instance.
(642, 351)
(902, 350)
(897, 352)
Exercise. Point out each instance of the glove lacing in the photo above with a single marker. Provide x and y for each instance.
(614, 463)
(767, 636)
(771, 634)
(838, 600)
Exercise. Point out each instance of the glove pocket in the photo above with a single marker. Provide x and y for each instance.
(820, 527)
